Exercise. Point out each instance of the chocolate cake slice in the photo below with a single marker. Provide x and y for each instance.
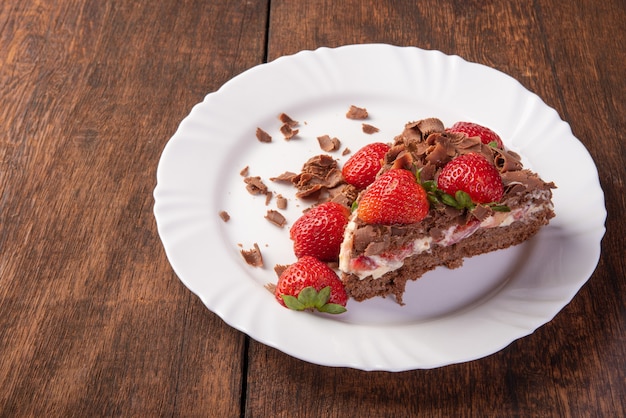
(378, 260)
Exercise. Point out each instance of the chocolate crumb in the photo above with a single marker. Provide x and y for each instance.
(255, 185)
(225, 216)
(253, 256)
(356, 113)
(369, 129)
(268, 198)
(271, 287)
(328, 144)
(276, 218)
(244, 171)
(287, 120)
(346, 151)
(288, 132)
(263, 136)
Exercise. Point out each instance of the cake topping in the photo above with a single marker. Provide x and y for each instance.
(474, 175)
(486, 135)
(395, 197)
(309, 284)
(319, 232)
(362, 167)
(319, 174)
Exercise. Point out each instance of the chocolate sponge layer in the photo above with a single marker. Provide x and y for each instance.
(481, 242)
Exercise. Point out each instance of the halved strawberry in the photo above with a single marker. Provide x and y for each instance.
(395, 197)
(319, 232)
(486, 135)
(361, 169)
(473, 174)
(311, 284)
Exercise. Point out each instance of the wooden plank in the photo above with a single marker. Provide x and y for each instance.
(93, 322)
(573, 58)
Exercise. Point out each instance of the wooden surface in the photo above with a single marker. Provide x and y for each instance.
(93, 322)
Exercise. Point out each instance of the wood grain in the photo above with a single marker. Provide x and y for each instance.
(560, 369)
(94, 322)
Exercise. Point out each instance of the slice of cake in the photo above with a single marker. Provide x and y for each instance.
(480, 199)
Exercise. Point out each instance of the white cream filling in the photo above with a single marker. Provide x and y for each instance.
(451, 236)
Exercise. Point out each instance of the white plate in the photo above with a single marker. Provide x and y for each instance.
(450, 316)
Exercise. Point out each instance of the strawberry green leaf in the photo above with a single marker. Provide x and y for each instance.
(323, 296)
(354, 206)
(418, 175)
(432, 198)
(450, 201)
(493, 144)
(501, 208)
(464, 200)
(430, 186)
(308, 297)
(293, 303)
(332, 308)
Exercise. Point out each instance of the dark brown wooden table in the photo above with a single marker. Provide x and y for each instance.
(93, 321)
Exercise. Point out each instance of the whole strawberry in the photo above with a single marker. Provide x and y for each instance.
(473, 174)
(486, 135)
(395, 197)
(311, 284)
(360, 170)
(319, 232)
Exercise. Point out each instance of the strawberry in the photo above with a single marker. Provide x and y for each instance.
(361, 169)
(319, 232)
(473, 174)
(486, 135)
(311, 284)
(395, 197)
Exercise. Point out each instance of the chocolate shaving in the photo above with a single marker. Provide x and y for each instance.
(224, 215)
(263, 136)
(369, 129)
(255, 185)
(286, 177)
(328, 144)
(287, 120)
(276, 218)
(244, 171)
(281, 202)
(429, 126)
(481, 212)
(280, 268)
(288, 132)
(318, 174)
(253, 256)
(356, 113)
